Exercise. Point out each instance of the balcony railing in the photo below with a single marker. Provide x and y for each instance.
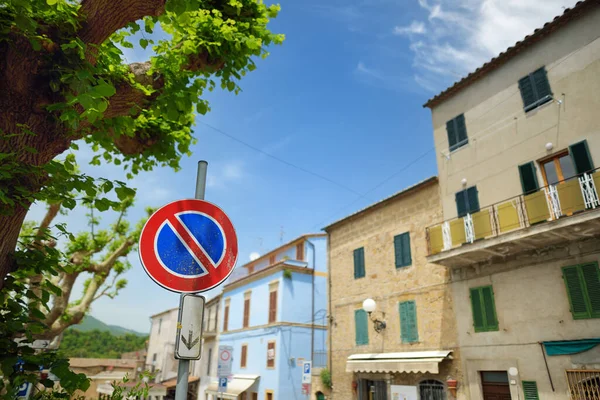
(566, 198)
(319, 359)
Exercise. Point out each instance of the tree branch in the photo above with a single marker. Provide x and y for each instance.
(104, 17)
(105, 290)
(121, 251)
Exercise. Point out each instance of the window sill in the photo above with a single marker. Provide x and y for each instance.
(403, 266)
(534, 106)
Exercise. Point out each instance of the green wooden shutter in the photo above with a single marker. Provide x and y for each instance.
(527, 92)
(529, 181)
(402, 252)
(489, 307)
(542, 86)
(580, 153)
(576, 292)
(530, 390)
(591, 277)
(361, 327)
(478, 322)
(473, 200)
(461, 203)
(408, 322)
(359, 263)
(451, 129)
(461, 130)
(406, 255)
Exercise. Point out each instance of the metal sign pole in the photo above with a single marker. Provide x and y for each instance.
(183, 368)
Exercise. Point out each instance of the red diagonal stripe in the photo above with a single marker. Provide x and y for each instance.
(191, 242)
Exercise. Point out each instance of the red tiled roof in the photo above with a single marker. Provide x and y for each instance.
(568, 15)
(102, 362)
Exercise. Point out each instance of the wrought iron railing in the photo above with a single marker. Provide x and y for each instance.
(319, 359)
(584, 384)
(568, 197)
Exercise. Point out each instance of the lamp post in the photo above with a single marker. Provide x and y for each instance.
(369, 305)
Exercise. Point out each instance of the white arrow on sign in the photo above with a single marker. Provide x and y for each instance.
(188, 344)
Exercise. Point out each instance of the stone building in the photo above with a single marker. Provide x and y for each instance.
(518, 142)
(379, 253)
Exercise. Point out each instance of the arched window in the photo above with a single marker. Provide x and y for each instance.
(320, 396)
(432, 390)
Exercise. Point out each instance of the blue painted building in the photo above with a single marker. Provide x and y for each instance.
(274, 317)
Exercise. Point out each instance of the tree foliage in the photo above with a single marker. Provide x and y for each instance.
(64, 81)
(99, 344)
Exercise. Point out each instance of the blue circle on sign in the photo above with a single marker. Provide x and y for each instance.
(191, 228)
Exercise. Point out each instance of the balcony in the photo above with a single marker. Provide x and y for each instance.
(554, 215)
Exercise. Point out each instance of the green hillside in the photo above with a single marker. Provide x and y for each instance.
(90, 323)
(99, 344)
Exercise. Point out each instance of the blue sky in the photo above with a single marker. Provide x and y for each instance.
(341, 97)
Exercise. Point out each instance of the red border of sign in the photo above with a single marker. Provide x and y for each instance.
(174, 283)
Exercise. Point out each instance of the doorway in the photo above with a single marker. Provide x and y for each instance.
(372, 390)
(495, 385)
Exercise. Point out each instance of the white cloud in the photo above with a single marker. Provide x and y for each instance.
(223, 174)
(415, 28)
(361, 68)
(464, 34)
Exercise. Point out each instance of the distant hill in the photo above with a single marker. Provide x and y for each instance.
(90, 323)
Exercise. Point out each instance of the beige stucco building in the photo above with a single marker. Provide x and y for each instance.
(207, 365)
(379, 253)
(518, 144)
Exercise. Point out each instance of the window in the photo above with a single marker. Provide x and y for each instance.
(206, 321)
(271, 355)
(529, 181)
(583, 289)
(226, 317)
(361, 327)
(359, 263)
(581, 157)
(432, 390)
(254, 396)
(535, 89)
(467, 201)
(244, 356)
(246, 321)
(584, 384)
(209, 362)
(269, 395)
(530, 390)
(484, 309)
(272, 259)
(556, 168)
(457, 132)
(153, 368)
(250, 269)
(243, 396)
(408, 322)
(273, 305)
(300, 251)
(402, 250)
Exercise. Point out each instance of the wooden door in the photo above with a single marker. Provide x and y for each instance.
(495, 385)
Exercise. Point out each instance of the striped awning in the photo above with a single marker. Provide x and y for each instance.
(417, 361)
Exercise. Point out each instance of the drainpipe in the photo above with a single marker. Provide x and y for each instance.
(312, 331)
(330, 316)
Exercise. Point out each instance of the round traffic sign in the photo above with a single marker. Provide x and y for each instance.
(225, 355)
(188, 246)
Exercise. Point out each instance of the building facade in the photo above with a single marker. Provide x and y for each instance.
(406, 347)
(273, 315)
(519, 143)
(207, 366)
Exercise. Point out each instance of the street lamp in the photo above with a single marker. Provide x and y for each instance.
(370, 306)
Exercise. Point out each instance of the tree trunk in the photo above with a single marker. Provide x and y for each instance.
(10, 226)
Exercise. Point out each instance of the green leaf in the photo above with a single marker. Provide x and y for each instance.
(51, 2)
(102, 204)
(144, 43)
(37, 313)
(124, 192)
(105, 89)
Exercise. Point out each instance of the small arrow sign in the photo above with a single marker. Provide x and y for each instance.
(189, 343)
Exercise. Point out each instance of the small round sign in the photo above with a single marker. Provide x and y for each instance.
(188, 246)
(225, 355)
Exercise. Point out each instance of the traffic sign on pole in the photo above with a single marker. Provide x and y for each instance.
(188, 246)
(188, 344)
(307, 372)
(24, 391)
(225, 360)
(223, 384)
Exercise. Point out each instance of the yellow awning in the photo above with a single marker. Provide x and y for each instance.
(417, 361)
(235, 387)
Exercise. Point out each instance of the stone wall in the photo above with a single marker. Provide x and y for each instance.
(427, 284)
